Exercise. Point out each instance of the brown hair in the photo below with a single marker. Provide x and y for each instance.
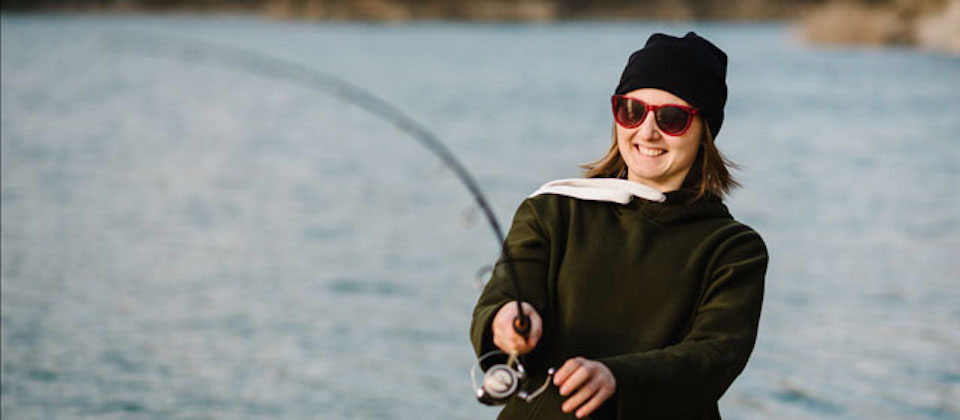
(710, 172)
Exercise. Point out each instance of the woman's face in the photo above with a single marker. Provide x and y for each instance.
(654, 158)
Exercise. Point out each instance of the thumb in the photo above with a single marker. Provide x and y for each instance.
(536, 329)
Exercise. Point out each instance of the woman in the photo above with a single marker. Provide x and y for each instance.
(638, 283)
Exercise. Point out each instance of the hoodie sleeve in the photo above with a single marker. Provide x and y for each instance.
(686, 379)
(529, 250)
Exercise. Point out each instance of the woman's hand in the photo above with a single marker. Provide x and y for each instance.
(506, 338)
(593, 382)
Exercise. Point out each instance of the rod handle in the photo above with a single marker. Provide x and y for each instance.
(521, 324)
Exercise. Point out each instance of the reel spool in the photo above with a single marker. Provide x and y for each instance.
(502, 381)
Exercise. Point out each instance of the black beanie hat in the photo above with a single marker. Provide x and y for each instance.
(690, 67)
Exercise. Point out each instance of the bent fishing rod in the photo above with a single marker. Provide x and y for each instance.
(248, 61)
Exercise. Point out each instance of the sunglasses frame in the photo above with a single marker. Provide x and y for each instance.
(692, 112)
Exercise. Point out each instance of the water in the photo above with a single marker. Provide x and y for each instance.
(181, 240)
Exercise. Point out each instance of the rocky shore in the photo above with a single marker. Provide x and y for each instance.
(931, 24)
(398, 10)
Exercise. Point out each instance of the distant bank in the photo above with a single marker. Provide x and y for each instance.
(929, 24)
(498, 10)
(932, 24)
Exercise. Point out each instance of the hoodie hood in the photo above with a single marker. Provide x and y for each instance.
(613, 190)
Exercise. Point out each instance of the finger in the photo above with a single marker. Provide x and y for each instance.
(501, 344)
(528, 309)
(503, 321)
(505, 315)
(520, 344)
(579, 377)
(502, 328)
(526, 344)
(566, 370)
(581, 396)
(507, 342)
(594, 403)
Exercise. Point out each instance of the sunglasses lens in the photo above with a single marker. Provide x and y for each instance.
(672, 120)
(629, 113)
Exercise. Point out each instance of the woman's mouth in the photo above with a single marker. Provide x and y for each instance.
(649, 151)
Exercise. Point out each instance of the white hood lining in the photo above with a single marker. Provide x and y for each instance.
(614, 190)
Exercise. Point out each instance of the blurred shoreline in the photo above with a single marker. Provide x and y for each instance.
(927, 24)
(402, 10)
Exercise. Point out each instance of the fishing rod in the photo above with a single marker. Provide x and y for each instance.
(502, 380)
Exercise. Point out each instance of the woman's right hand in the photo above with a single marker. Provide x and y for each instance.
(506, 338)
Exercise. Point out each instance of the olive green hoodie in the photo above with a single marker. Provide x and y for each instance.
(666, 295)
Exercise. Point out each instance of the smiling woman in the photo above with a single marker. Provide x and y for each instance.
(658, 151)
(684, 128)
(643, 290)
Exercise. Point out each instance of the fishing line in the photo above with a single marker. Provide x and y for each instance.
(248, 61)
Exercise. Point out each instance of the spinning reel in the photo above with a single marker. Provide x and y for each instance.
(501, 381)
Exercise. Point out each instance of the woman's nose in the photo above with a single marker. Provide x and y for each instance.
(648, 129)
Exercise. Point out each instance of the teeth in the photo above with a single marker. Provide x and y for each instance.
(650, 152)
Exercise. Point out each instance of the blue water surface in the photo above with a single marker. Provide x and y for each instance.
(182, 240)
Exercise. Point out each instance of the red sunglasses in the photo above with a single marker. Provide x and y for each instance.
(672, 119)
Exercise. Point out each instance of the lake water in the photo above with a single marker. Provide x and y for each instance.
(182, 240)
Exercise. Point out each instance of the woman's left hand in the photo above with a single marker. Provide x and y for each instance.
(593, 382)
